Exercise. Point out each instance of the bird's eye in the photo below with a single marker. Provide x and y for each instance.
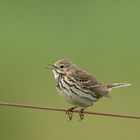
(61, 66)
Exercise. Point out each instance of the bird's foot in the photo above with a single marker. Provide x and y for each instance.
(81, 114)
(69, 112)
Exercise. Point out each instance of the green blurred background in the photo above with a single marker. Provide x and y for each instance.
(102, 37)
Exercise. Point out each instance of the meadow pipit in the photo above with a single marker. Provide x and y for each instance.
(78, 87)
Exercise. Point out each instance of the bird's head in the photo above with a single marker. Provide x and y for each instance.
(62, 67)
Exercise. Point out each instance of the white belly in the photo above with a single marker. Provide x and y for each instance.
(80, 99)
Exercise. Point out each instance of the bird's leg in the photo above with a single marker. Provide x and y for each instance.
(69, 112)
(81, 113)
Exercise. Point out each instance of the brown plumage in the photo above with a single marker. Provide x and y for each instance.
(79, 87)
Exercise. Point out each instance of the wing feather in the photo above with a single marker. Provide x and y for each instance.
(89, 82)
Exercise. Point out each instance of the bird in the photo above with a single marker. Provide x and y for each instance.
(78, 87)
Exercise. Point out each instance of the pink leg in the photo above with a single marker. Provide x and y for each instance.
(81, 113)
(70, 112)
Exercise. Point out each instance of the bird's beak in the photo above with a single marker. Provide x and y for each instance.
(50, 66)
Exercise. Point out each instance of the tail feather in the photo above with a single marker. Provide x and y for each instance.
(117, 85)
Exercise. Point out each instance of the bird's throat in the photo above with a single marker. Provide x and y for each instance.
(56, 74)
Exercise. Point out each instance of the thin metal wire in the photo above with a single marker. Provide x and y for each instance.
(63, 110)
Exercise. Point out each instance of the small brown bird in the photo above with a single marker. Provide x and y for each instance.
(78, 87)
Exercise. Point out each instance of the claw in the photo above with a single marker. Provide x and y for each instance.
(69, 112)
